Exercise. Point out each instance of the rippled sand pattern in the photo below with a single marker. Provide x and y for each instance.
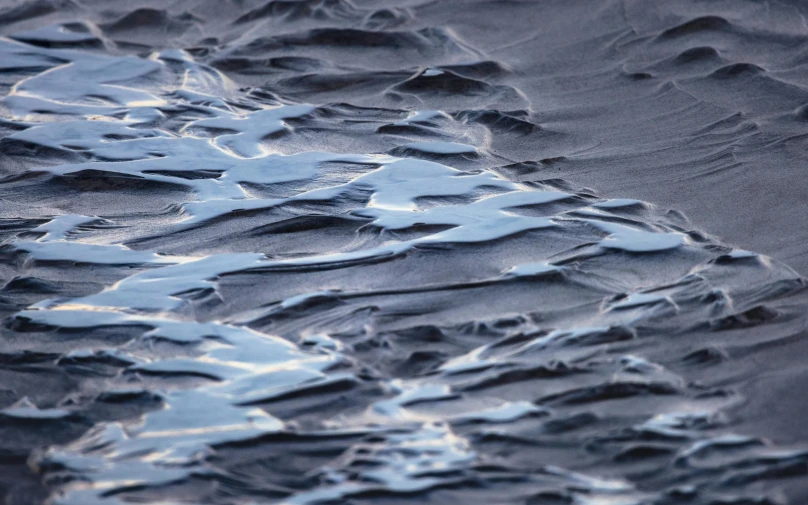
(256, 295)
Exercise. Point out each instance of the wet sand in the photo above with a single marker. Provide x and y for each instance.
(362, 252)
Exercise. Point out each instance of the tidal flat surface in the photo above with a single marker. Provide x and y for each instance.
(334, 252)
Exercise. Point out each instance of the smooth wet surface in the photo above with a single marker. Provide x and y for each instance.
(368, 280)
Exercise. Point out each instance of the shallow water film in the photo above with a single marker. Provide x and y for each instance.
(355, 252)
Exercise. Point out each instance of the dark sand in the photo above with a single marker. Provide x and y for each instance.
(533, 252)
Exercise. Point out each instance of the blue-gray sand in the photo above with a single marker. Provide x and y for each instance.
(354, 252)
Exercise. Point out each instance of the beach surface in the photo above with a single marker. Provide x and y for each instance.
(347, 251)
